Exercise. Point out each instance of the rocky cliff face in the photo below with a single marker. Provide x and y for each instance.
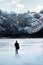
(21, 25)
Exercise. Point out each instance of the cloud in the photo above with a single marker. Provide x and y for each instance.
(37, 8)
(12, 2)
(1, 0)
(19, 8)
(13, 5)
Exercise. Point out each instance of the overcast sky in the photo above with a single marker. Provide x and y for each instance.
(21, 5)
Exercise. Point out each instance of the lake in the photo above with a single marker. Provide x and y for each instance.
(30, 52)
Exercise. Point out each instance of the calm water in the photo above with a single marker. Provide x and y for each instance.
(30, 53)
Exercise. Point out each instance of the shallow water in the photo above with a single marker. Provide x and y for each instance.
(30, 52)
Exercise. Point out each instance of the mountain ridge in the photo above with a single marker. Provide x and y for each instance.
(22, 25)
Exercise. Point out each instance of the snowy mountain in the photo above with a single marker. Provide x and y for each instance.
(28, 24)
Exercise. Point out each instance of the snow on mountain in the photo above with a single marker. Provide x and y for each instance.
(14, 23)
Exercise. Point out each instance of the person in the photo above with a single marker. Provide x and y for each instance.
(16, 47)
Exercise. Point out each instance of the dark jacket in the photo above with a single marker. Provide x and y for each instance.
(17, 45)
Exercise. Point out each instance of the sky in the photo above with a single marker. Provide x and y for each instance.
(20, 6)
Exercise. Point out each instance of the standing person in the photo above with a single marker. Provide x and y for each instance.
(16, 47)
